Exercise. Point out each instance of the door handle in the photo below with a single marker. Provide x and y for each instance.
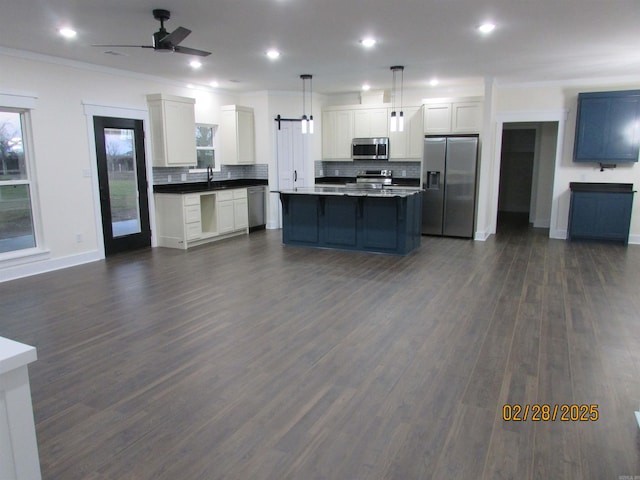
(295, 175)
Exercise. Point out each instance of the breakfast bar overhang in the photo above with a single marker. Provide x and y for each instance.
(369, 220)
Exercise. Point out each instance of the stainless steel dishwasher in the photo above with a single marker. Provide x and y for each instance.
(257, 207)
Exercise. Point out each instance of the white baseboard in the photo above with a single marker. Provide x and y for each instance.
(558, 234)
(541, 223)
(482, 236)
(48, 265)
(634, 239)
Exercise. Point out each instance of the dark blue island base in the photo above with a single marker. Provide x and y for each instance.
(335, 218)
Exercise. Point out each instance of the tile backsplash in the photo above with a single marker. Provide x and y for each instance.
(323, 168)
(227, 172)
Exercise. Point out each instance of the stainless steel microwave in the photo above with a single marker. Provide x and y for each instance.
(370, 148)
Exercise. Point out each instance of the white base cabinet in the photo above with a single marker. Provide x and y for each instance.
(187, 220)
(233, 212)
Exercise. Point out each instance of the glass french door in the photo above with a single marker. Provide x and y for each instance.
(122, 179)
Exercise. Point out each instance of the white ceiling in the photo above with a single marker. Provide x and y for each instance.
(535, 40)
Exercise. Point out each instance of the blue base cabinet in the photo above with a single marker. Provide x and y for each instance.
(600, 211)
(364, 223)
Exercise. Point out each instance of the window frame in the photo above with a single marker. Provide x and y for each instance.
(23, 105)
(213, 147)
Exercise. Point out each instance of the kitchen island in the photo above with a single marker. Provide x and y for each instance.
(384, 220)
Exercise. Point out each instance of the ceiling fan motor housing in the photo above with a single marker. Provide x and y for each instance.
(157, 41)
(162, 15)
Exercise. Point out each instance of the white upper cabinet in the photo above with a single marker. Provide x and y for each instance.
(437, 118)
(341, 124)
(236, 133)
(370, 122)
(173, 126)
(337, 133)
(408, 144)
(447, 117)
(466, 117)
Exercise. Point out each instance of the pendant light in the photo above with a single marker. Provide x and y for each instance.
(307, 122)
(397, 118)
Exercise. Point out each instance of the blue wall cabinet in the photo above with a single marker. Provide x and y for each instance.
(608, 127)
(600, 211)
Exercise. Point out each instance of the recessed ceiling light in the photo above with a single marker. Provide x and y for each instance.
(214, 84)
(67, 32)
(433, 82)
(273, 53)
(486, 27)
(195, 64)
(366, 87)
(368, 42)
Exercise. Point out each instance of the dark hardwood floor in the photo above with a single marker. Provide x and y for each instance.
(249, 360)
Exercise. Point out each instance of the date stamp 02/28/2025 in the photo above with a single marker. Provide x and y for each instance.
(550, 413)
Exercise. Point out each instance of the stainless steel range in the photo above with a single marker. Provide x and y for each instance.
(372, 179)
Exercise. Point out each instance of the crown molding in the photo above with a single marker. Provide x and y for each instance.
(65, 62)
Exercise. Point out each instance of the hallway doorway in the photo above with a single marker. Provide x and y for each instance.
(527, 164)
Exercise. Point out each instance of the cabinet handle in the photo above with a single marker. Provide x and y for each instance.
(295, 175)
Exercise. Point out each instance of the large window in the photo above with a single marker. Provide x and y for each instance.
(17, 231)
(205, 147)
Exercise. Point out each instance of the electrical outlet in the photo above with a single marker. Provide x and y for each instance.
(228, 174)
(78, 238)
(404, 173)
(183, 177)
(337, 172)
(169, 178)
(321, 172)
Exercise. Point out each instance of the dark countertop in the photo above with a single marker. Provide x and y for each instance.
(194, 187)
(351, 192)
(335, 180)
(399, 182)
(601, 187)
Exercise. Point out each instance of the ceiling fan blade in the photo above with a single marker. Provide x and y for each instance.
(110, 45)
(175, 37)
(191, 51)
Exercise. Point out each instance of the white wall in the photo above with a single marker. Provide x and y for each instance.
(549, 104)
(63, 154)
(267, 106)
(67, 196)
(546, 149)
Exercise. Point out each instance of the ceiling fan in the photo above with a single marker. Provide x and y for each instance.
(164, 41)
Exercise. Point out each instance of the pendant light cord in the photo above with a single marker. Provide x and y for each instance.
(401, 86)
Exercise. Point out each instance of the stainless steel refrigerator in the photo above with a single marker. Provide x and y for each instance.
(449, 182)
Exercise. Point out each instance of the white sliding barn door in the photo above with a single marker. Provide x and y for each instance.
(292, 153)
